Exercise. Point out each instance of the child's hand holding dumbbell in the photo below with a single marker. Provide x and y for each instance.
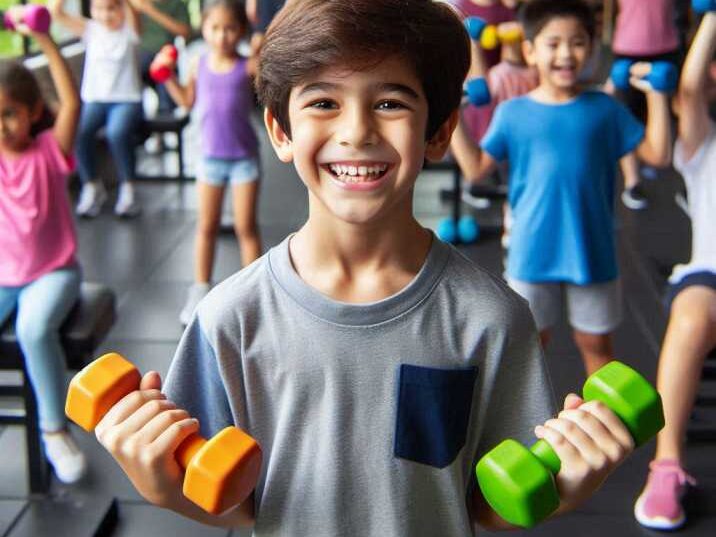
(27, 19)
(164, 64)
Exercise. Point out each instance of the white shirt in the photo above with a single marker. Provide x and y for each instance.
(699, 174)
(111, 71)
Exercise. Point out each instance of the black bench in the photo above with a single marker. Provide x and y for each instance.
(84, 329)
(162, 124)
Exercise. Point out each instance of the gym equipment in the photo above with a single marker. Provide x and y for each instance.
(518, 482)
(159, 71)
(511, 35)
(662, 77)
(479, 30)
(220, 472)
(703, 6)
(37, 18)
(465, 230)
(477, 91)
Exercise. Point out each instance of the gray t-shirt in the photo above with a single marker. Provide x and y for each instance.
(371, 417)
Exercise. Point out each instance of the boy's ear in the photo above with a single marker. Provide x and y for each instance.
(528, 51)
(279, 139)
(439, 143)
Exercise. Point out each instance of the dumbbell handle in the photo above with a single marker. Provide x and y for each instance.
(37, 18)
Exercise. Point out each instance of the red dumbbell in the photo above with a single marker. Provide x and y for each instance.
(37, 18)
(160, 71)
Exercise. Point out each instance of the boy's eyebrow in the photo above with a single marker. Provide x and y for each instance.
(389, 87)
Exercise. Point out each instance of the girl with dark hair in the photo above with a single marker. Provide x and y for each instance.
(39, 275)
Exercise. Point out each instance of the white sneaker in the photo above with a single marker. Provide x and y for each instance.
(65, 456)
(126, 205)
(153, 144)
(196, 292)
(92, 197)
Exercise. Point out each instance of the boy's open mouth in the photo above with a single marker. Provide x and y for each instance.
(357, 172)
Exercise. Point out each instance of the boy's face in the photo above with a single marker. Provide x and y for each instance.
(108, 12)
(559, 51)
(358, 139)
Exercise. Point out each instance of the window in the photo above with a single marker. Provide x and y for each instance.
(13, 44)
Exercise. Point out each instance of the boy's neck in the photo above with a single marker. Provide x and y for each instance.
(359, 264)
(548, 93)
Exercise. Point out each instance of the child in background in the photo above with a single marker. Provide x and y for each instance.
(39, 275)
(111, 98)
(691, 331)
(562, 145)
(219, 85)
(645, 31)
(372, 362)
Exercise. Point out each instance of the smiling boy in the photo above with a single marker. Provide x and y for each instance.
(563, 144)
(373, 363)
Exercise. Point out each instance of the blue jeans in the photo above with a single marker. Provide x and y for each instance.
(42, 306)
(122, 122)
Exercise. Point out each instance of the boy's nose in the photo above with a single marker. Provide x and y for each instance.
(357, 128)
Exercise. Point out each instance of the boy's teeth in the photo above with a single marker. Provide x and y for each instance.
(356, 174)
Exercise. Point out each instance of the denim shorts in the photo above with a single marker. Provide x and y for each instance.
(220, 172)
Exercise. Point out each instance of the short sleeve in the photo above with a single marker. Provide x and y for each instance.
(630, 131)
(51, 150)
(195, 384)
(89, 31)
(521, 390)
(495, 139)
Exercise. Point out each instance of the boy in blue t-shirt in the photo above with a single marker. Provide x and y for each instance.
(373, 363)
(563, 145)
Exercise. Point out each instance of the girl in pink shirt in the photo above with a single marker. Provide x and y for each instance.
(39, 276)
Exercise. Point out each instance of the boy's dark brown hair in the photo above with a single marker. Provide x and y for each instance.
(536, 14)
(18, 83)
(308, 36)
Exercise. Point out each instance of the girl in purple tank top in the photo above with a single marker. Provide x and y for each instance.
(219, 86)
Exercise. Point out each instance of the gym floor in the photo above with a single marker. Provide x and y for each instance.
(148, 264)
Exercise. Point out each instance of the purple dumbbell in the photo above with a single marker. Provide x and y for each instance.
(37, 18)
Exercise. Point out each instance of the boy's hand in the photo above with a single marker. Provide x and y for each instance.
(590, 441)
(142, 432)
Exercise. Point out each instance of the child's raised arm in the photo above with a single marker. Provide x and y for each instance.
(183, 94)
(692, 98)
(170, 24)
(655, 148)
(69, 100)
(74, 23)
(133, 17)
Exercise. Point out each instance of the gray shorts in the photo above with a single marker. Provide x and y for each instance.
(594, 308)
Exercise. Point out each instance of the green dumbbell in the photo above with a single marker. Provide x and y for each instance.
(518, 482)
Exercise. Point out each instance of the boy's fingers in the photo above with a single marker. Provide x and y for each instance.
(156, 426)
(151, 381)
(568, 454)
(144, 414)
(572, 401)
(577, 437)
(640, 84)
(127, 406)
(598, 432)
(175, 434)
(610, 420)
(640, 69)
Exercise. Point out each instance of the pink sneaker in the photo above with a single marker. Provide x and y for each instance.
(659, 505)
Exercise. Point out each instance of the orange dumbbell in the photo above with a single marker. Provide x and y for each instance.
(220, 473)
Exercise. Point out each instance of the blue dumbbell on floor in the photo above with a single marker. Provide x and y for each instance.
(466, 230)
(662, 77)
(703, 6)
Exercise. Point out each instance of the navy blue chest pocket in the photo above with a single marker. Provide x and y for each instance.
(433, 413)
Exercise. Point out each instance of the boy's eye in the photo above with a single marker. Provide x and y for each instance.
(389, 105)
(323, 104)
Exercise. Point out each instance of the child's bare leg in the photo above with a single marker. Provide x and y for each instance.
(690, 335)
(596, 349)
(245, 200)
(207, 228)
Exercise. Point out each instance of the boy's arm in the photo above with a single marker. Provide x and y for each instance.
(133, 18)
(74, 23)
(655, 148)
(167, 22)
(694, 122)
(476, 165)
